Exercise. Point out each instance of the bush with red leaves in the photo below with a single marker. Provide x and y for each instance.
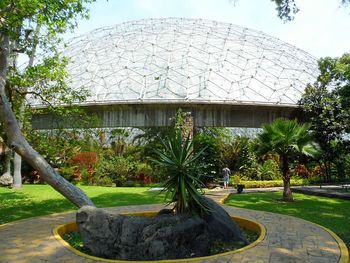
(86, 160)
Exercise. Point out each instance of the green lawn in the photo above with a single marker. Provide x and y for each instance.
(35, 200)
(328, 212)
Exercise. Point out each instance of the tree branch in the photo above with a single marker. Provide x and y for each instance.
(24, 93)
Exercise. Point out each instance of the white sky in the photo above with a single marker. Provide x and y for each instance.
(322, 27)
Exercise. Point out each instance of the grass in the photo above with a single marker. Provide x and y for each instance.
(36, 200)
(328, 212)
(74, 239)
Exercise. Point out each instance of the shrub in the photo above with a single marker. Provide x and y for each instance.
(302, 171)
(132, 184)
(240, 157)
(271, 183)
(117, 168)
(85, 158)
(71, 173)
(143, 173)
(342, 167)
(32, 176)
(86, 162)
(143, 168)
(251, 169)
(269, 170)
(103, 181)
(158, 174)
(209, 164)
(235, 179)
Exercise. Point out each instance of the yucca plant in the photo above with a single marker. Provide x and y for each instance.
(183, 186)
(286, 138)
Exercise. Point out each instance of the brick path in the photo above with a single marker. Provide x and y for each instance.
(288, 239)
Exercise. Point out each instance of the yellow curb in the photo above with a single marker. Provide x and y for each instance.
(242, 222)
(344, 253)
(223, 200)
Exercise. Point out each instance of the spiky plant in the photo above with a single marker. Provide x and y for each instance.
(183, 186)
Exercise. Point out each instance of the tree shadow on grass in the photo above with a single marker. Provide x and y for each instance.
(123, 199)
(19, 206)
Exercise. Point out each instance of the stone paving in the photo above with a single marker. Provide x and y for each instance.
(288, 239)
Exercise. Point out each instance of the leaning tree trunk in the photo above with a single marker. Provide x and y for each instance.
(16, 141)
(287, 192)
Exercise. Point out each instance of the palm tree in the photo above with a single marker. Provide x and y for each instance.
(286, 138)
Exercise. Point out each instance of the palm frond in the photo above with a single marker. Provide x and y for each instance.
(283, 135)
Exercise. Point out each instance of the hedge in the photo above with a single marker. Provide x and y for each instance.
(272, 183)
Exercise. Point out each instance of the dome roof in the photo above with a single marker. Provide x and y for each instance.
(174, 60)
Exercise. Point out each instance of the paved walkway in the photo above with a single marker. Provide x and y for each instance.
(288, 239)
(326, 190)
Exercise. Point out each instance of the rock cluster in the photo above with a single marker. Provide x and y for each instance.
(6, 180)
(164, 236)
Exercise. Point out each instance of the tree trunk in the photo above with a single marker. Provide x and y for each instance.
(16, 141)
(327, 160)
(17, 174)
(17, 160)
(287, 192)
(328, 166)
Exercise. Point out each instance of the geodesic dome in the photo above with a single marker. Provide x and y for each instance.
(187, 61)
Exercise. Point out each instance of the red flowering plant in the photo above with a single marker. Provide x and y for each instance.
(87, 161)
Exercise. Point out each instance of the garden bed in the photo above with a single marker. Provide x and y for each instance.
(67, 234)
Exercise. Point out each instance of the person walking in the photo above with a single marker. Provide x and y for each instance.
(226, 172)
